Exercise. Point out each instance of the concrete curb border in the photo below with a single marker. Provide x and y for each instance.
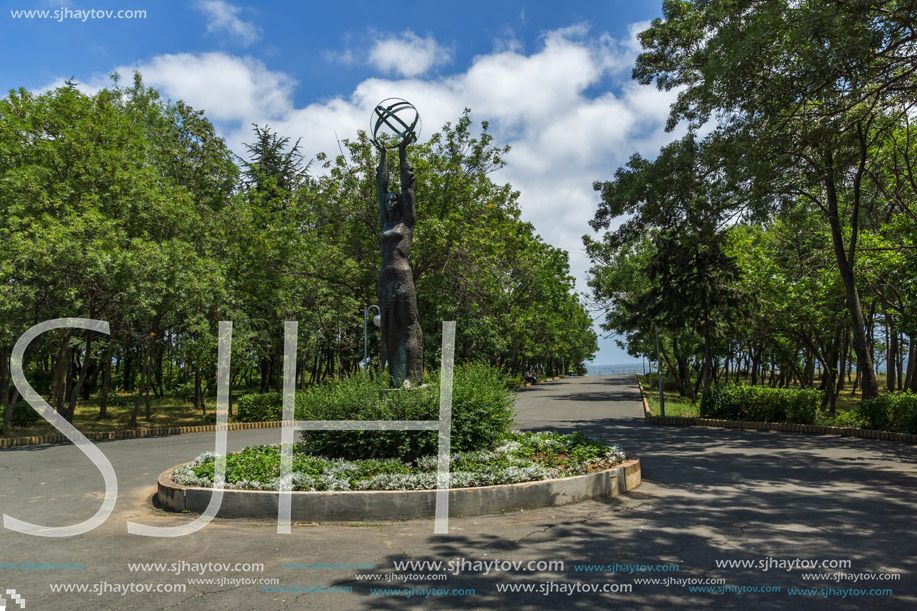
(10, 442)
(392, 505)
(783, 427)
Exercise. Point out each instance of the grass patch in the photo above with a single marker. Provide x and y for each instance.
(675, 404)
(167, 411)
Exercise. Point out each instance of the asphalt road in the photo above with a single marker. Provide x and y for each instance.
(708, 495)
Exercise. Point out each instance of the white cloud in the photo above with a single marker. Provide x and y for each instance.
(341, 57)
(408, 54)
(224, 17)
(227, 87)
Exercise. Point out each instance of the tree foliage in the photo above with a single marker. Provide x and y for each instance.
(124, 207)
(804, 178)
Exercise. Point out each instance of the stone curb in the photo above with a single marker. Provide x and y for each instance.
(392, 505)
(783, 427)
(135, 434)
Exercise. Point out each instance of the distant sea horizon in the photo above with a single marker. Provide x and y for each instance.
(613, 368)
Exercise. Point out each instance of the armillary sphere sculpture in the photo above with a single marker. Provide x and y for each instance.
(395, 124)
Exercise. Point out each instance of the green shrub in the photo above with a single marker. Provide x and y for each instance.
(24, 415)
(482, 407)
(803, 406)
(481, 414)
(851, 418)
(259, 407)
(892, 412)
(651, 381)
(185, 391)
(115, 400)
(719, 402)
(903, 412)
(760, 404)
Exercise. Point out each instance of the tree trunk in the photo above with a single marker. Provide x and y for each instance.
(5, 385)
(831, 372)
(106, 383)
(265, 375)
(140, 389)
(329, 363)
(673, 370)
(158, 387)
(842, 371)
(198, 391)
(148, 377)
(73, 372)
(84, 371)
(61, 369)
(11, 408)
(5, 374)
(911, 381)
(128, 380)
(829, 399)
(808, 376)
(171, 355)
(891, 358)
(277, 370)
(870, 385)
(708, 351)
(92, 375)
(755, 361)
(684, 373)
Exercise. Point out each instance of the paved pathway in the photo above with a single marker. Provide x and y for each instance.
(708, 495)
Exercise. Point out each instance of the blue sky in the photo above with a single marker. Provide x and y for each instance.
(552, 78)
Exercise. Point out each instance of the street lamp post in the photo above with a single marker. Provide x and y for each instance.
(377, 320)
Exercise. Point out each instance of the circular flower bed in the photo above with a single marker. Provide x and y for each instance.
(519, 457)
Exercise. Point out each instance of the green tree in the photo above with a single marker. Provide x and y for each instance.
(801, 92)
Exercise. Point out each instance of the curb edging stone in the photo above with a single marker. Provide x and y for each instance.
(12, 442)
(393, 505)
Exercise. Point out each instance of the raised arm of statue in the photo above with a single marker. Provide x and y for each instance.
(382, 184)
(382, 173)
(407, 185)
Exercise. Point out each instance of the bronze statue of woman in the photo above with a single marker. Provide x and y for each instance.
(402, 338)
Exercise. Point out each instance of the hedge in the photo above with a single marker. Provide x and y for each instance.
(23, 416)
(482, 413)
(760, 404)
(264, 407)
(892, 412)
